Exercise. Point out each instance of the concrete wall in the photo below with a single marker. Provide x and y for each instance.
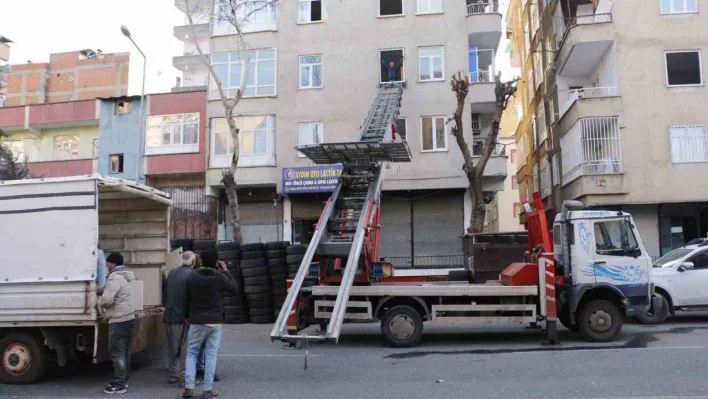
(120, 134)
(646, 218)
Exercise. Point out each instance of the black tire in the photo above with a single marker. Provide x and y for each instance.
(261, 311)
(229, 255)
(252, 255)
(235, 300)
(278, 298)
(296, 250)
(564, 318)
(228, 246)
(291, 276)
(203, 245)
(255, 272)
(294, 259)
(275, 254)
(252, 247)
(279, 278)
(277, 262)
(256, 305)
(600, 321)
(257, 289)
(262, 319)
(402, 326)
(27, 358)
(234, 310)
(276, 245)
(236, 319)
(236, 272)
(653, 319)
(257, 280)
(248, 264)
(263, 296)
(232, 263)
(187, 244)
(277, 270)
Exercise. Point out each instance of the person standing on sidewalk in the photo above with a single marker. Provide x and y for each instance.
(175, 324)
(116, 303)
(204, 311)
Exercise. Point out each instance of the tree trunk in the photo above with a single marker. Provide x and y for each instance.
(229, 177)
(479, 209)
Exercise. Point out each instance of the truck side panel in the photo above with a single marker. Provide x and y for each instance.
(50, 302)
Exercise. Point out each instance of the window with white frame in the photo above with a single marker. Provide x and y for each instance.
(530, 86)
(688, 143)
(249, 15)
(537, 70)
(256, 139)
(429, 6)
(678, 6)
(534, 134)
(66, 148)
(541, 124)
(309, 11)
(683, 68)
(309, 133)
(433, 133)
(431, 63)
(310, 71)
(401, 129)
(545, 178)
(476, 124)
(229, 69)
(392, 65)
(172, 134)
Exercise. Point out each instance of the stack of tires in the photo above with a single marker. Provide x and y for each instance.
(201, 246)
(235, 311)
(256, 283)
(294, 255)
(187, 244)
(278, 271)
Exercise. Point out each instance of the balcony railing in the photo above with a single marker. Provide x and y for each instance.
(592, 147)
(485, 65)
(482, 8)
(587, 92)
(480, 77)
(584, 20)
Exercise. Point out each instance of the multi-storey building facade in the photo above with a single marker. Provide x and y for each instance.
(76, 75)
(314, 72)
(626, 130)
(4, 67)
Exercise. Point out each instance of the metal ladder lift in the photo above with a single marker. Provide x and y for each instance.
(341, 229)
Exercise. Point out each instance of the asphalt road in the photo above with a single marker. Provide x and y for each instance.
(455, 361)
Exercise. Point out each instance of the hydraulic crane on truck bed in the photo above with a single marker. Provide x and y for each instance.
(352, 210)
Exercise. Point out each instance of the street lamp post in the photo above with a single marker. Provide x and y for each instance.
(141, 139)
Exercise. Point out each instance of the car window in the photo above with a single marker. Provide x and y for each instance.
(668, 259)
(700, 260)
(614, 238)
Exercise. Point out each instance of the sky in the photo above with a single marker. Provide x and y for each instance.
(41, 27)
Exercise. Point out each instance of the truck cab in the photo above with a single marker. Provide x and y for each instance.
(601, 259)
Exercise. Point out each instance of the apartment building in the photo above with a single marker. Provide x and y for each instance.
(626, 129)
(4, 67)
(315, 70)
(71, 76)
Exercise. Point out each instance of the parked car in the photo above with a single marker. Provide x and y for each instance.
(681, 278)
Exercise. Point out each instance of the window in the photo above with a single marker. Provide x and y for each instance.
(17, 149)
(431, 64)
(688, 143)
(678, 6)
(94, 149)
(683, 68)
(123, 107)
(250, 15)
(541, 124)
(171, 134)
(514, 184)
(310, 71)
(556, 170)
(116, 163)
(309, 133)
(433, 134)
(392, 66)
(429, 6)
(614, 238)
(537, 70)
(401, 128)
(229, 69)
(477, 147)
(309, 11)
(389, 8)
(700, 260)
(517, 209)
(535, 22)
(257, 141)
(529, 86)
(476, 124)
(512, 156)
(66, 148)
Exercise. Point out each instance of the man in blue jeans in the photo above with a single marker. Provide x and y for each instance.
(204, 311)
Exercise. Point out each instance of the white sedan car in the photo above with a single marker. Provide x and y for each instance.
(681, 278)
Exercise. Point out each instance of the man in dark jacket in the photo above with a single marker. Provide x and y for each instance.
(392, 69)
(175, 324)
(204, 310)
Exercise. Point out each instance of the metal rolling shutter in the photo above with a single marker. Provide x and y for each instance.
(260, 221)
(307, 207)
(438, 224)
(395, 237)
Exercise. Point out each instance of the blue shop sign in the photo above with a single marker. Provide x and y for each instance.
(311, 179)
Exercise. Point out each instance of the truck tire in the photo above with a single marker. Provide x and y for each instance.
(402, 326)
(23, 358)
(650, 318)
(296, 250)
(600, 321)
(254, 272)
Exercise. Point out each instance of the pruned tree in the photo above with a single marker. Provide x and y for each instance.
(474, 168)
(11, 167)
(237, 14)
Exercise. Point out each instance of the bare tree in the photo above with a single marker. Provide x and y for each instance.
(11, 167)
(475, 170)
(236, 13)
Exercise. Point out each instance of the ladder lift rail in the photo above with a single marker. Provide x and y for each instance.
(340, 306)
(303, 271)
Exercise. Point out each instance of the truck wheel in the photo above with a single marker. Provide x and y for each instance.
(600, 321)
(402, 326)
(651, 318)
(24, 359)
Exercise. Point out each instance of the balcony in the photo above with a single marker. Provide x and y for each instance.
(592, 147)
(184, 32)
(188, 61)
(587, 102)
(484, 26)
(482, 73)
(4, 51)
(584, 43)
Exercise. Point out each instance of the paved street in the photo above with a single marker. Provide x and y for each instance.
(458, 361)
